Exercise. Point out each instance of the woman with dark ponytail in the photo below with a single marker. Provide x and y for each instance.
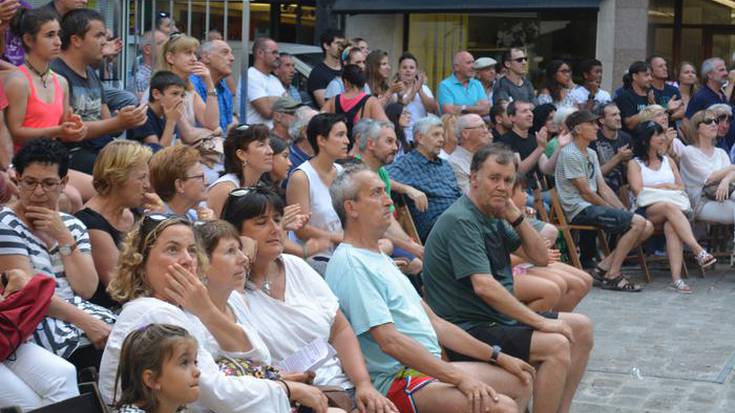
(41, 97)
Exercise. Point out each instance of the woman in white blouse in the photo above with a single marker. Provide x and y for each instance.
(291, 304)
(704, 164)
(652, 168)
(158, 280)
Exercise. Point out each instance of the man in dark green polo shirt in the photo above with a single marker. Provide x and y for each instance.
(469, 282)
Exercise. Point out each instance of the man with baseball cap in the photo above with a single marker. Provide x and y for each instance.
(587, 200)
(485, 73)
(283, 115)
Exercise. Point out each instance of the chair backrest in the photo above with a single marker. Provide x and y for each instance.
(84, 403)
(556, 216)
(403, 216)
(538, 205)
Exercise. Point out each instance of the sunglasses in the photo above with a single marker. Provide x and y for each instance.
(709, 121)
(151, 226)
(520, 59)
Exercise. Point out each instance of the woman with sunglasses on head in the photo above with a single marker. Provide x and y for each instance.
(178, 178)
(37, 238)
(658, 114)
(652, 168)
(121, 180)
(557, 85)
(247, 157)
(705, 165)
(291, 305)
(159, 280)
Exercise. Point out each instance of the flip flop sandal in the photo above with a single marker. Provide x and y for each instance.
(614, 284)
(598, 276)
(680, 287)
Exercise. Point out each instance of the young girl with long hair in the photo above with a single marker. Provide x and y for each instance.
(158, 370)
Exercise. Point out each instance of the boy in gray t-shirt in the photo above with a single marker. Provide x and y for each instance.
(587, 200)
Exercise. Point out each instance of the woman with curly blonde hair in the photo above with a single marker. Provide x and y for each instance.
(159, 279)
(120, 177)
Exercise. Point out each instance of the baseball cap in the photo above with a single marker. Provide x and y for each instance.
(579, 117)
(484, 62)
(286, 104)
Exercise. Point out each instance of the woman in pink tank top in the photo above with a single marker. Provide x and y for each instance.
(40, 96)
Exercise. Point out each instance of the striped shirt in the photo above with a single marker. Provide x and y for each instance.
(17, 239)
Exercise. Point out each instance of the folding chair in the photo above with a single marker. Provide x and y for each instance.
(557, 217)
(404, 218)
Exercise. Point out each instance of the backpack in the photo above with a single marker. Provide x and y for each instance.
(350, 115)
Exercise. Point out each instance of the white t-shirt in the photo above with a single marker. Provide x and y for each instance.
(219, 393)
(418, 111)
(307, 313)
(696, 167)
(581, 95)
(261, 85)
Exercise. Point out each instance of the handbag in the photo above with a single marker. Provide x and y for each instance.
(238, 366)
(710, 191)
(650, 196)
(210, 149)
(22, 311)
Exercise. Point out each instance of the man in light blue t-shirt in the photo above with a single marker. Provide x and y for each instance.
(461, 93)
(399, 335)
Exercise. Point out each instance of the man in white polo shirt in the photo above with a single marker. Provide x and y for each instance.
(263, 87)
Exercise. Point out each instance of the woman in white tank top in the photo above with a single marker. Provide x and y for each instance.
(651, 169)
(248, 155)
(309, 184)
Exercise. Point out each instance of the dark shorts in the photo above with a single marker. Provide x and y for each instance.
(514, 340)
(610, 220)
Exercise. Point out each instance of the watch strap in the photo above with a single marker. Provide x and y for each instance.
(517, 221)
(496, 353)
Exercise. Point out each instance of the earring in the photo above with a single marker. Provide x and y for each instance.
(244, 163)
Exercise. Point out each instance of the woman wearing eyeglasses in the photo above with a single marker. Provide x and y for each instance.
(291, 305)
(557, 85)
(37, 238)
(703, 165)
(653, 169)
(248, 156)
(159, 281)
(178, 178)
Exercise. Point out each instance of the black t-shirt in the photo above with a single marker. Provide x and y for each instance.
(154, 125)
(94, 220)
(630, 103)
(320, 77)
(524, 147)
(663, 96)
(606, 149)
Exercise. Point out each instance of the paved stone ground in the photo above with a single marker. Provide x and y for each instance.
(660, 351)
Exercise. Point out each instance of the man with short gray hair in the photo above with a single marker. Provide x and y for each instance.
(377, 146)
(218, 58)
(400, 337)
(714, 76)
(423, 169)
(472, 134)
(300, 149)
(263, 87)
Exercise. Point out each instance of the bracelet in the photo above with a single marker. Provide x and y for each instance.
(288, 389)
(212, 92)
(518, 221)
(496, 353)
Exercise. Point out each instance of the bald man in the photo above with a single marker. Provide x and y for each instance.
(461, 93)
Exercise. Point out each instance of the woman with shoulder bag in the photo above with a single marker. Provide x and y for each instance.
(655, 180)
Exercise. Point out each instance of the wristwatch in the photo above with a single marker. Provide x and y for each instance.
(66, 249)
(212, 92)
(463, 109)
(496, 353)
(518, 221)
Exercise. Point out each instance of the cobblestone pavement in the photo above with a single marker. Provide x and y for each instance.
(661, 351)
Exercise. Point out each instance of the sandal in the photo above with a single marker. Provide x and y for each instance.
(705, 259)
(598, 276)
(620, 283)
(680, 287)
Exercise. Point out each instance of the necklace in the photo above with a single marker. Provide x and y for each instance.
(43, 76)
(266, 288)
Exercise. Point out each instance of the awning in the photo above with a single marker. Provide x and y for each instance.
(433, 6)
